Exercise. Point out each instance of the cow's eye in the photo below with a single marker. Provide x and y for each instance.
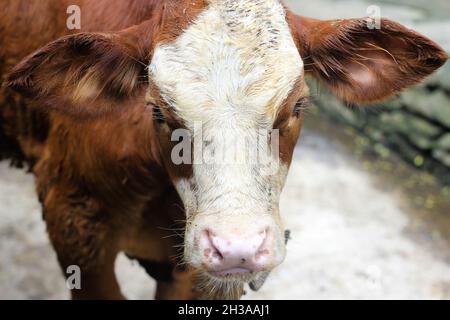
(158, 115)
(302, 104)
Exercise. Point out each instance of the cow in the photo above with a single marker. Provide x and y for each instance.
(93, 112)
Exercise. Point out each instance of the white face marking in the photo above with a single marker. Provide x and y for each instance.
(238, 59)
(230, 70)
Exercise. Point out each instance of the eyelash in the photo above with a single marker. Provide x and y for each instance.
(158, 115)
(302, 104)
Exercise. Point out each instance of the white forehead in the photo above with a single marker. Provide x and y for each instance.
(238, 58)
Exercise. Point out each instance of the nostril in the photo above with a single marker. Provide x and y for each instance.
(216, 254)
(211, 250)
(263, 249)
(245, 253)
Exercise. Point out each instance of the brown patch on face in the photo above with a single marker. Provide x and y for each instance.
(165, 122)
(176, 17)
(168, 114)
(176, 172)
(288, 122)
(290, 125)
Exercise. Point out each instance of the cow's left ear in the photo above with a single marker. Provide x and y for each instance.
(86, 74)
(363, 65)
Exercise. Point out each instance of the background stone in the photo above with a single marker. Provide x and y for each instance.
(413, 123)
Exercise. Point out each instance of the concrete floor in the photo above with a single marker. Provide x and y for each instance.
(351, 237)
(356, 233)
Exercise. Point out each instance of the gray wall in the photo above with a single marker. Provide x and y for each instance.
(416, 125)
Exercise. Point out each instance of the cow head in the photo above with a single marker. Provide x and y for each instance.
(231, 75)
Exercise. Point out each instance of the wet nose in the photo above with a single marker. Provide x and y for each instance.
(234, 254)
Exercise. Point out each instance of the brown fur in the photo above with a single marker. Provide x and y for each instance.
(98, 171)
(393, 56)
(87, 128)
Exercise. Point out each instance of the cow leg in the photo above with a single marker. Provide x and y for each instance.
(81, 235)
(173, 283)
(181, 287)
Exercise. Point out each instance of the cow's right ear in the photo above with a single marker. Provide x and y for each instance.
(86, 74)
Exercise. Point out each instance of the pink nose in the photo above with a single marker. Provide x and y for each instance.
(235, 255)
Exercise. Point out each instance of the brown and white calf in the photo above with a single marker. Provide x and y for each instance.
(97, 109)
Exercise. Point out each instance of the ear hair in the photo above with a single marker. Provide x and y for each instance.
(85, 74)
(361, 65)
